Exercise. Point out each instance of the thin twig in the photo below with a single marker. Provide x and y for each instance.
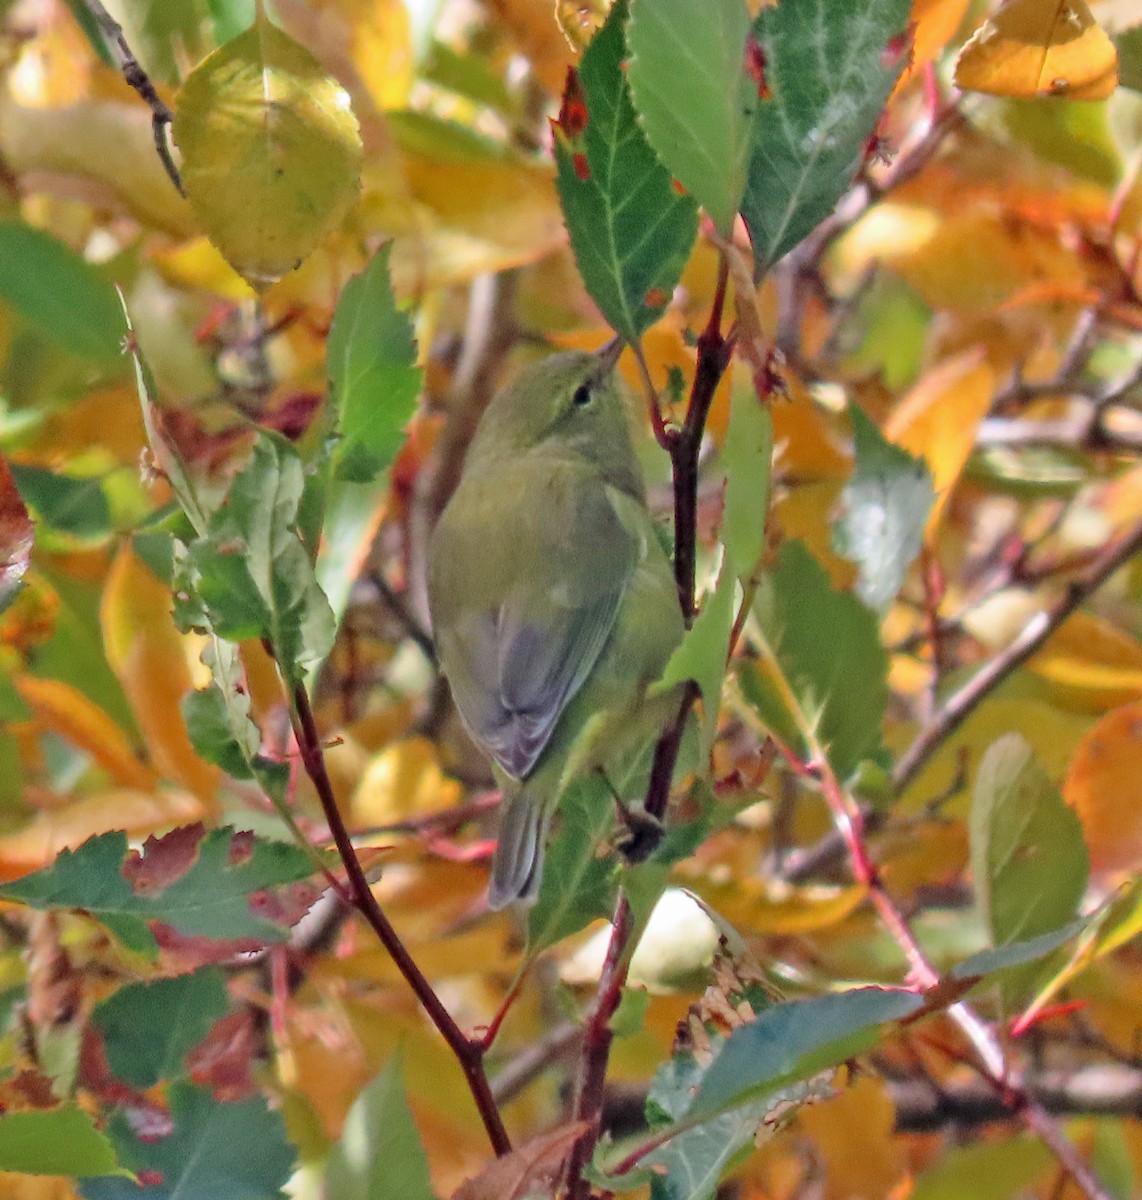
(137, 78)
(468, 1052)
(960, 705)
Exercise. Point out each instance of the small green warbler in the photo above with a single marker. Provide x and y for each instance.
(553, 602)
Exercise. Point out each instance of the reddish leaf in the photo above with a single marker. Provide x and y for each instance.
(572, 119)
(164, 860)
(223, 1062)
(16, 536)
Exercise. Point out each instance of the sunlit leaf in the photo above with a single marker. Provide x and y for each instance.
(270, 151)
(630, 229)
(58, 1141)
(698, 117)
(373, 376)
(1040, 48)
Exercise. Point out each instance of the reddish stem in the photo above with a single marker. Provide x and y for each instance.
(469, 1053)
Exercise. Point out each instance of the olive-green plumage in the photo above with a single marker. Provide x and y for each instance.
(553, 603)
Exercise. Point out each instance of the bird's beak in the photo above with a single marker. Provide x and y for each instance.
(608, 356)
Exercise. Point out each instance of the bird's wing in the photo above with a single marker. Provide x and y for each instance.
(514, 665)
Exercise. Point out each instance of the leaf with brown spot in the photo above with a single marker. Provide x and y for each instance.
(529, 1168)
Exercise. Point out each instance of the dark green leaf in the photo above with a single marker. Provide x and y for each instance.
(202, 886)
(1029, 861)
(60, 293)
(374, 380)
(694, 97)
(821, 654)
(65, 502)
(794, 1041)
(885, 507)
(148, 1028)
(829, 66)
(58, 1141)
(214, 1152)
(1129, 45)
(630, 229)
(379, 1155)
(578, 885)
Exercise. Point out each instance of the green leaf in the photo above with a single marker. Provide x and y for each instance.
(1028, 858)
(829, 69)
(630, 229)
(58, 1141)
(65, 502)
(271, 152)
(201, 886)
(885, 507)
(252, 572)
(374, 380)
(821, 673)
(702, 653)
(60, 293)
(214, 1152)
(1014, 954)
(695, 100)
(379, 1155)
(793, 1041)
(577, 885)
(748, 457)
(230, 18)
(149, 1028)
(221, 729)
(690, 1166)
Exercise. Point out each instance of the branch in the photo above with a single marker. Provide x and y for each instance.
(137, 78)
(469, 1053)
(962, 703)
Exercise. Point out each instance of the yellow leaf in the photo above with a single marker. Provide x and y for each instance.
(934, 23)
(64, 710)
(1102, 787)
(134, 812)
(853, 1132)
(938, 419)
(149, 655)
(1091, 664)
(402, 781)
(271, 152)
(1040, 48)
(770, 906)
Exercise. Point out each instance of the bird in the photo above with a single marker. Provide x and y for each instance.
(553, 601)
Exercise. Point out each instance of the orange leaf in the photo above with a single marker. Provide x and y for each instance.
(938, 419)
(1102, 787)
(1091, 664)
(65, 710)
(1040, 48)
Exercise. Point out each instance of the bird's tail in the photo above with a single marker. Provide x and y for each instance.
(518, 863)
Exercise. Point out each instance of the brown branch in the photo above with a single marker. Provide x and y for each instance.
(960, 705)
(137, 78)
(468, 1052)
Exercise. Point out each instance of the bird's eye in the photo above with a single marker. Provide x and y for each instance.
(582, 396)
